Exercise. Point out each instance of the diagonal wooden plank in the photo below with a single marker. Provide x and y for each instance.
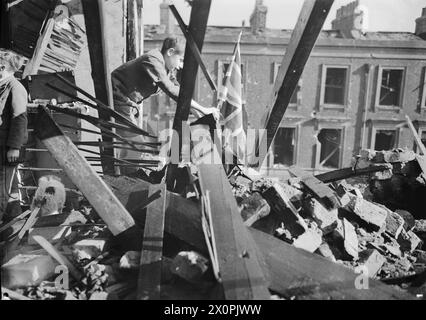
(82, 174)
(191, 42)
(240, 270)
(197, 28)
(305, 34)
(149, 283)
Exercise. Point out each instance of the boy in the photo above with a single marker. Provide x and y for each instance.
(13, 125)
(137, 80)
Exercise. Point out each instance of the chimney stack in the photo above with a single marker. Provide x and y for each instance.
(258, 17)
(351, 20)
(421, 25)
(167, 20)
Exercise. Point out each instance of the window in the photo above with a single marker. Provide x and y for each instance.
(330, 141)
(390, 87)
(334, 85)
(385, 140)
(295, 98)
(285, 146)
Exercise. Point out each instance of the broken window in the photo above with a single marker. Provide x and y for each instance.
(335, 85)
(391, 87)
(284, 146)
(330, 143)
(385, 140)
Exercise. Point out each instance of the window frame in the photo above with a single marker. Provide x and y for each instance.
(400, 105)
(323, 104)
(384, 128)
(296, 146)
(319, 146)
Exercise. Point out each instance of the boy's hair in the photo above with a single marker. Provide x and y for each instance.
(11, 60)
(173, 43)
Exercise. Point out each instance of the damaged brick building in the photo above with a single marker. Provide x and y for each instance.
(354, 93)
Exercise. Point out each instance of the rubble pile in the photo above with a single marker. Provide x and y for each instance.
(371, 225)
(363, 223)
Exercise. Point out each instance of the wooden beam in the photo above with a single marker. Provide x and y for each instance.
(82, 174)
(286, 267)
(93, 11)
(149, 284)
(190, 40)
(132, 30)
(237, 255)
(304, 37)
(346, 173)
(197, 28)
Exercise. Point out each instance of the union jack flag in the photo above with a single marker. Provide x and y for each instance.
(231, 106)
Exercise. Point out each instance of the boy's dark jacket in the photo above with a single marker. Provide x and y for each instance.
(13, 114)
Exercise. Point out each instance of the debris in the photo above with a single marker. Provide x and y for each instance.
(51, 234)
(310, 241)
(408, 241)
(372, 260)
(130, 261)
(325, 218)
(409, 221)
(254, 208)
(394, 224)
(369, 212)
(190, 266)
(325, 251)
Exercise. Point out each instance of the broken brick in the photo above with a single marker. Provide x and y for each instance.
(408, 241)
(369, 212)
(350, 239)
(409, 221)
(310, 241)
(372, 260)
(254, 208)
(190, 266)
(323, 217)
(394, 224)
(27, 271)
(280, 202)
(420, 226)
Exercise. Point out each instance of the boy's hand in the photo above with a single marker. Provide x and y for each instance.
(13, 155)
(214, 111)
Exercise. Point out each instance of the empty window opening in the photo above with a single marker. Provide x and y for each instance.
(335, 86)
(385, 140)
(331, 145)
(284, 146)
(390, 88)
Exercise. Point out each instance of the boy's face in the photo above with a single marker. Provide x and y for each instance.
(174, 60)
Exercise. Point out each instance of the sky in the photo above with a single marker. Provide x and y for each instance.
(384, 15)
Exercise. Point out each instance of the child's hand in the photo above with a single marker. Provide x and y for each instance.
(13, 155)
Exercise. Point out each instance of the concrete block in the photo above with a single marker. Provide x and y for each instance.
(394, 224)
(27, 270)
(408, 241)
(310, 241)
(190, 266)
(350, 239)
(254, 208)
(51, 234)
(323, 217)
(369, 212)
(373, 260)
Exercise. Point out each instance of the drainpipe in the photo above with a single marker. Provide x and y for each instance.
(366, 103)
